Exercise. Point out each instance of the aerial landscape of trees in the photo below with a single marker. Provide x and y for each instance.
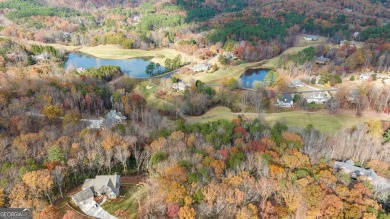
(195, 160)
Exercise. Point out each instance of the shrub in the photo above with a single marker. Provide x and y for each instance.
(158, 157)
(198, 196)
(173, 210)
(192, 178)
(352, 78)
(235, 159)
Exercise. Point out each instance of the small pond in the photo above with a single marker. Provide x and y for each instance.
(132, 67)
(252, 75)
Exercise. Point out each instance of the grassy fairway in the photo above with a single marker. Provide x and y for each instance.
(151, 99)
(125, 206)
(114, 52)
(320, 120)
(214, 114)
(214, 78)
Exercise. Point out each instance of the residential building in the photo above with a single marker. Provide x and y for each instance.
(349, 167)
(297, 83)
(108, 185)
(322, 60)
(311, 38)
(366, 76)
(285, 100)
(180, 86)
(345, 42)
(317, 98)
(42, 57)
(229, 55)
(112, 119)
(83, 197)
(200, 67)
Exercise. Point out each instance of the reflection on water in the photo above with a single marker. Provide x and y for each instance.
(132, 67)
(252, 75)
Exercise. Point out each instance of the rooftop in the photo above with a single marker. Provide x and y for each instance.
(83, 195)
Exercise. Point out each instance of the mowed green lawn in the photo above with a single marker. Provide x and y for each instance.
(320, 120)
(151, 99)
(126, 206)
(214, 114)
(114, 52)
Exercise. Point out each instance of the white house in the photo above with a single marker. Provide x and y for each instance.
(366, 76)
(229, 55)
(351, 43)
(317, 98)
(311, 38)
(285, 101)
(297, 83)
(200, 67)
(80, 70)
(42, 57)
(180, 86)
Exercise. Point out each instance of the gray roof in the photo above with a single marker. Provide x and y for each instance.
(112, 118)
(349, 166)
(286, 98)
(83, 195)
(322, 59)
(101, 182)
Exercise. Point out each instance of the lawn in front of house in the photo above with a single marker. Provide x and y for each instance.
(127, 204)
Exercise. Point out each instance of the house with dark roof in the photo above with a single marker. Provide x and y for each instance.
(112, 119)
(108, 185)
(322, 60)
(285, 100)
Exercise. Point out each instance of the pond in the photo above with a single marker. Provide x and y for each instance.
(252, 75)
(132, 67)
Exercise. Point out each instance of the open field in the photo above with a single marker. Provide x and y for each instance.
(126, 206)
(321, 120)
(114, 52)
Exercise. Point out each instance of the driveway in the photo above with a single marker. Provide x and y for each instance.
(94, 210)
